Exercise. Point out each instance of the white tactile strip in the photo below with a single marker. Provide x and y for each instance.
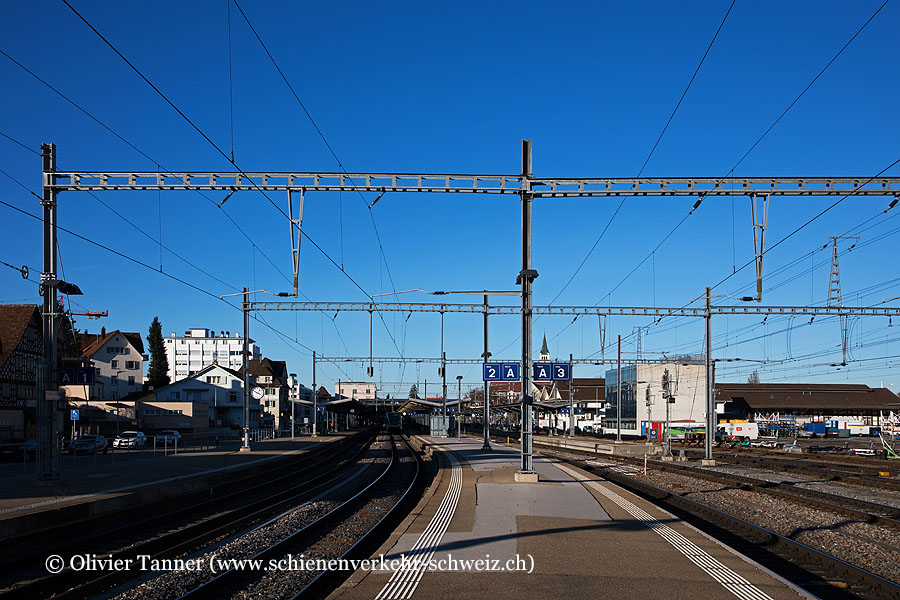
(730, 580)
(404, 581)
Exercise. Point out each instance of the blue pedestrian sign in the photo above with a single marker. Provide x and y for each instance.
(509, 372)
(542, 371)
(491, 371)
(562, 371)
(74, 412)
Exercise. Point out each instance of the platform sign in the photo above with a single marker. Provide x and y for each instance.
(491, 372)
(509, 372)
(543, 371)
(562, 371)
(75, 376)
(74, 412)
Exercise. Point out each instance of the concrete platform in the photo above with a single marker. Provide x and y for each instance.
(571, 535)
(599, 446)
(91, 485)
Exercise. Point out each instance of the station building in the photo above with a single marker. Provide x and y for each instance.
(781, 404)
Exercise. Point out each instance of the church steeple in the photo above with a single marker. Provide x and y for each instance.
(545, 352)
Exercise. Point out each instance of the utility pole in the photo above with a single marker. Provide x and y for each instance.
(486, 405)
(834, 289)
(245, 306)
(444, 390)
(571, 399)
(619, 392)
(710, 376)
(526, 278)
(294, 403)
(458, 405)
(315, 398)
(667, 398)
(48, 449)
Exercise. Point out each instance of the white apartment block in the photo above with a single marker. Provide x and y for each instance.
(200, 348)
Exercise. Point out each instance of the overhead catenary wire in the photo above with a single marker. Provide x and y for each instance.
(652, 150)
(164, 274)
(224, 155)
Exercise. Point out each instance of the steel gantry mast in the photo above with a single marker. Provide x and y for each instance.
(524, 185)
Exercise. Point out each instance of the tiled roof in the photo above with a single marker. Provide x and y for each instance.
(14, 319)
(806, 396)
(91, 342)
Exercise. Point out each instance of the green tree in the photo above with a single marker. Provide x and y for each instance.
(413, 392)
(158, 374)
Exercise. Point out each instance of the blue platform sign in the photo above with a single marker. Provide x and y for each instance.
(75, 376)
(74, 414)
(509, 372)
(562, 371)
(542, 371)
(491, 372)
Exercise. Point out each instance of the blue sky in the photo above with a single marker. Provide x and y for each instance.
(455, 88)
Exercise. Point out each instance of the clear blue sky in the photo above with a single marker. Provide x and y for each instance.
(454, 88)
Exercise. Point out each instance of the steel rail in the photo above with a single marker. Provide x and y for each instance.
(212, 588)
(325, 579)
(79, 584)
(817, 569)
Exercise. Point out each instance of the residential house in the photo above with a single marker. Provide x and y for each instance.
(272, 377)
(117, 358)
(21, 348)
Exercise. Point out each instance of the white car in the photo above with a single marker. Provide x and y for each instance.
(168, 436)
(130, 439)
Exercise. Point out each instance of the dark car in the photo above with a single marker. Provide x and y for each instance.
(90, 444)
(18, 449)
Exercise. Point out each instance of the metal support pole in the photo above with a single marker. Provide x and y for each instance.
(371, 369)
(486, 405)
(444, 377)
(294, 408)
(571, 400)
(245, 306)
(619, 392)
(710, 397)
(48, 449)
(458, 405)
(444, 389)
(526, 277)
(315, 398)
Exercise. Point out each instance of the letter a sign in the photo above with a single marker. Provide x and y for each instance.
(542, 371)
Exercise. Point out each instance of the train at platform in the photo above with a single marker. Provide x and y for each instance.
(394, 422)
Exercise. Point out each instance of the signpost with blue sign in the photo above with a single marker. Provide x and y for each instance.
(561, 371)
(74, 414)
(509, 371)
(491, 371)
(542, 371)
(75, 376)
(501, 371)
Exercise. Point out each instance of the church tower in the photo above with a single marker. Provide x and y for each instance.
(545, 352)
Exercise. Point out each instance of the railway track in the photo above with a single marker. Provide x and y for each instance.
(95, 533)
(347, 531)
(858, 475)
(822, 574)
(183, 530)
(825, 575)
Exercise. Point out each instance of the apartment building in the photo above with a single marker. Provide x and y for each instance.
(199, 348)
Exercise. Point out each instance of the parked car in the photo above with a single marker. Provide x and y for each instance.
(130, 439)
(91, 444)
(168, 436)
(18, 449)
(792, 448)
